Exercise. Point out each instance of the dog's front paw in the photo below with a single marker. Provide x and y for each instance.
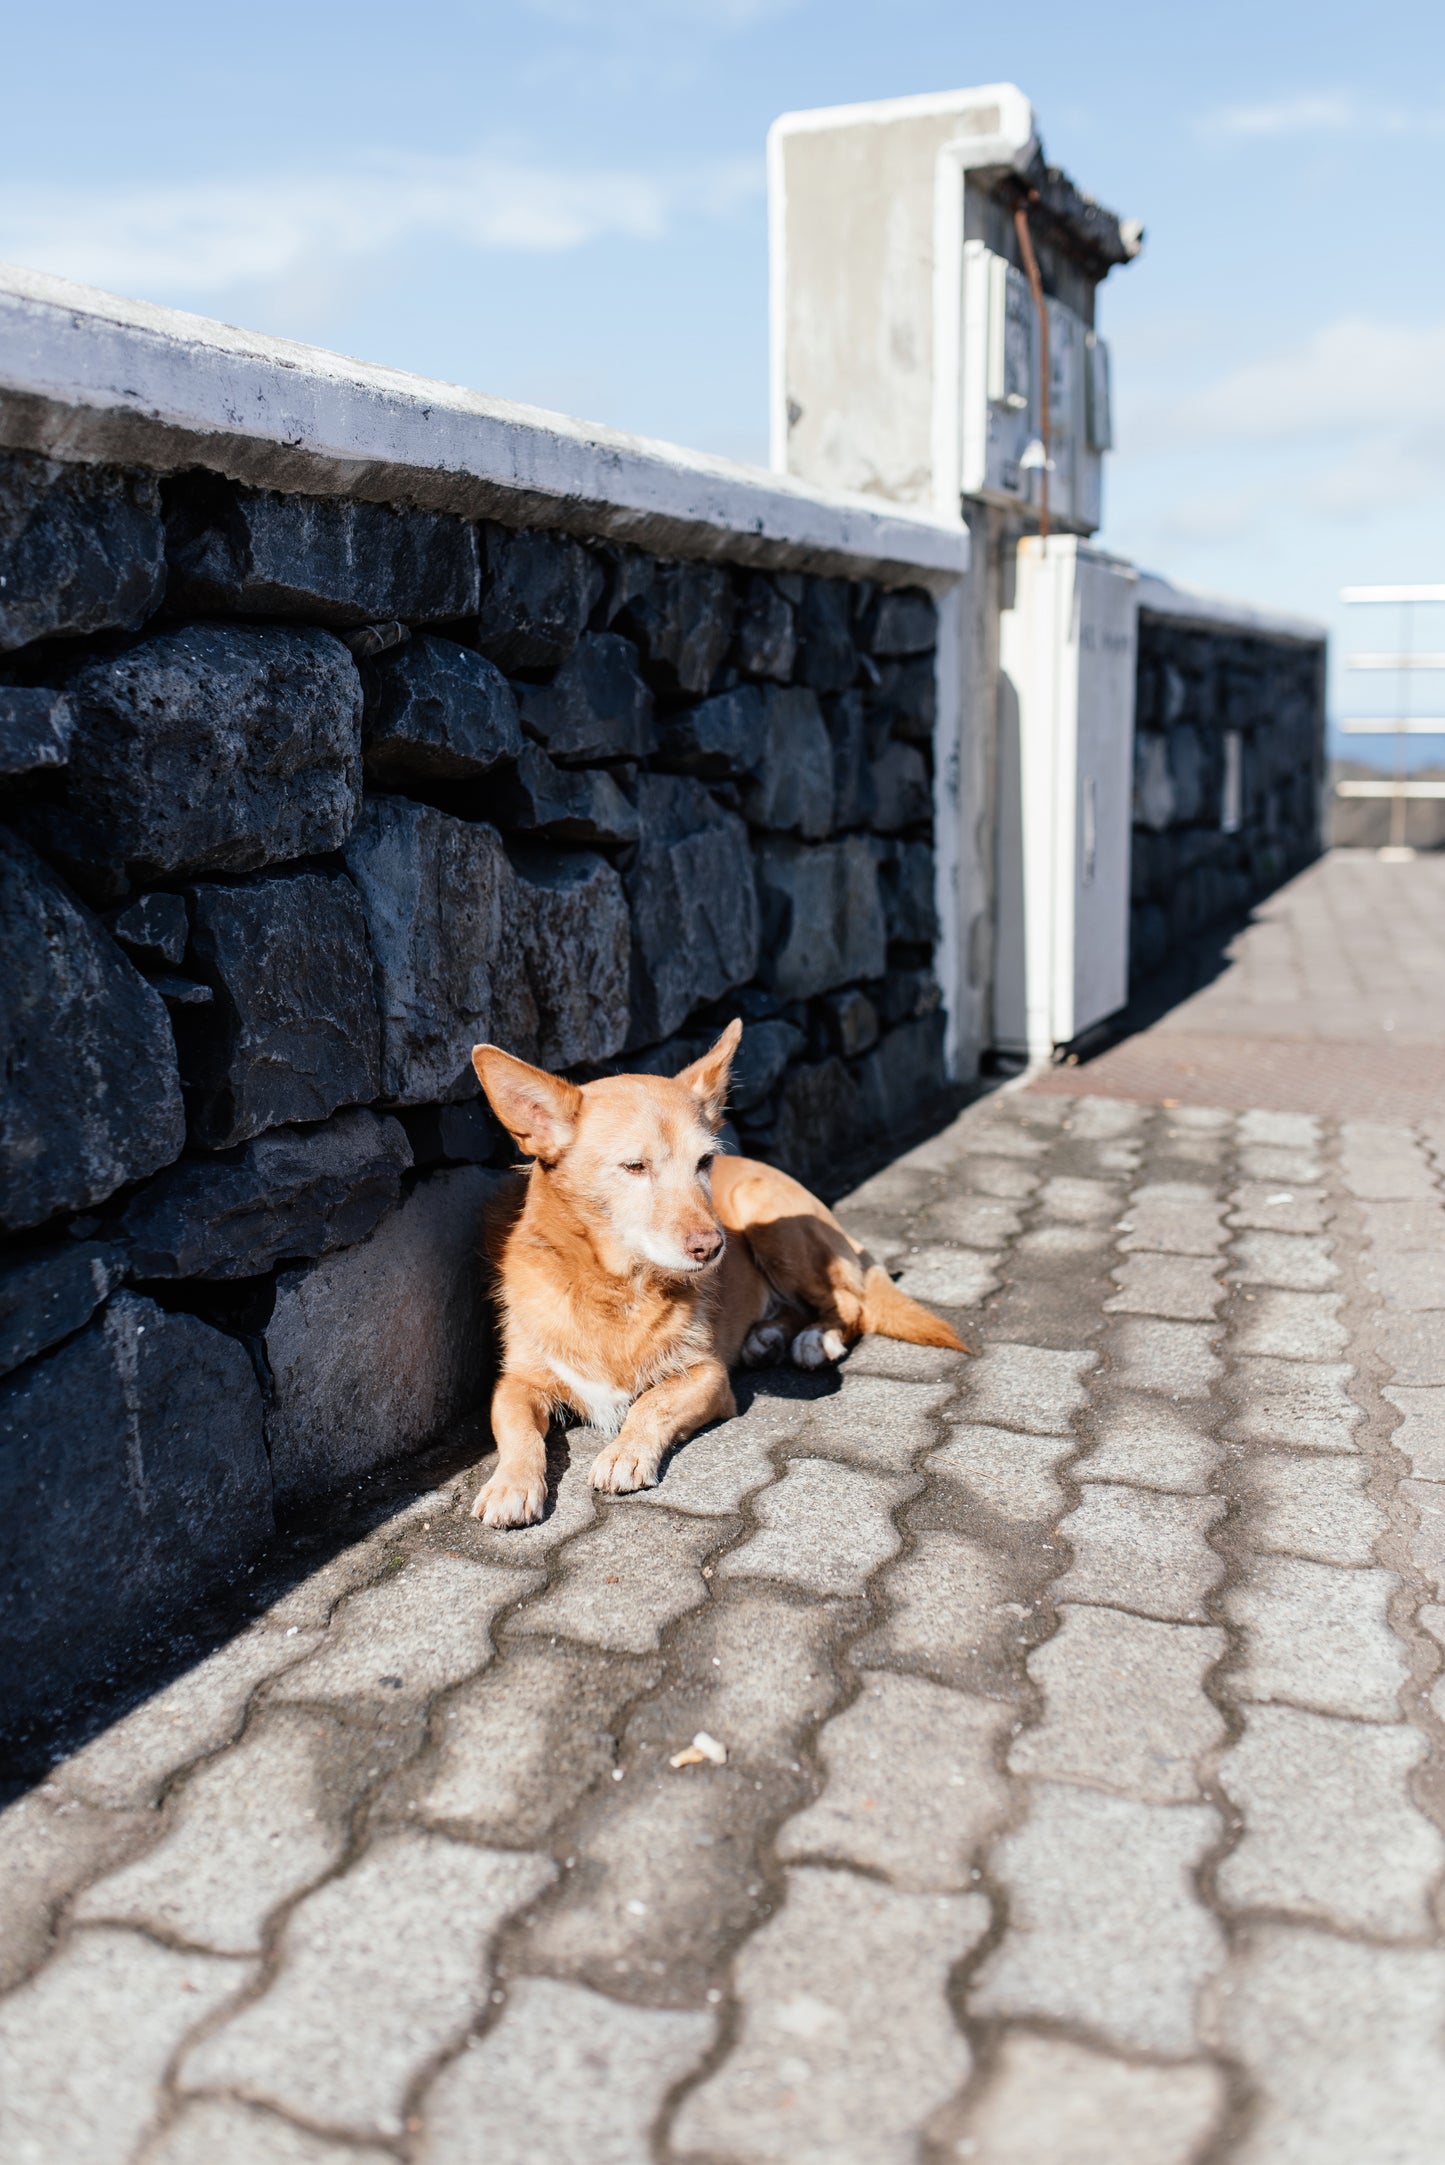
(763, 1344)
(623, 1467)
(815, 1347)
(507, 1501)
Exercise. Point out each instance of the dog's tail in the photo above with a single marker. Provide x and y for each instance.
(891, 1314)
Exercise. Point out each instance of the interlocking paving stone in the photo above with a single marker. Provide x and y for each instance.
(1101, 1119)
(1345, 2045)
(823, 1526)
(1269, 1207)
(571, 1507)
(1105, 1928)
(1176, 1217)
(973, 1221)
(847, 2044)
(84, 2045)
(222, 2131)
(1330, 1831)
(1078, 1201)
(625, 1579)
(1284, 1168)
(50, 1845)
(1293, 1326)
(1292, 1131)
(565, 2074)
(409, 1636)
(875, 1421)
(1295, 1260)
(948, 1612)
(1177, 1359)
(999, 1177)
(248, 1829)
(755, 1671)
(1427, 1540)
(1301, 1505)
(1135, 1549)
(1403, 1228)
(1185, 1287)
(1152, 1443)
(1413, 1280)
(1050, 1242)
(1124, 1705)
(379, 1971)
(911, 1786)
(1383, 1164)
(1304, 1403)
(1012, 1472)
(1413, 1346)
(1047, 2101)
(1316, 1636)
(1030, 1387)
(950, 1277)
(714, 1472)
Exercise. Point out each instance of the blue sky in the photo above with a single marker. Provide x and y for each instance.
(563, 201)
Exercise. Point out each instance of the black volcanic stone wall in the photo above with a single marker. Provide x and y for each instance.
(304, 798)
(1195, 686)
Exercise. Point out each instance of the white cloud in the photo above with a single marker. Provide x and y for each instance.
(1350, 376)
(217, 234)
(1331, 112)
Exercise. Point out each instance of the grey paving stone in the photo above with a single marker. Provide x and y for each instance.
(1175, 1217)
(1403, 1228)
(1105, 1929)
(129, 1761)
(1308, 1506)
(1113, 1157)
(823, 1526)
(1198, 1119)
(1382, 1164)
(84, 2045)
(565, 2074)
(380, 1970)
(1136, 1549)
(1010, 1472)
(1177, 1359)
(1298, 1260)
(754, 1670)
(1303, 1403)
(1101, 1119)
(1413, 1346)
(1186, 1287)
(1344, 2046)
(876, 1421)
(50, 1845)
(1413, 1280)
(1054, 1241)
(1285, 1168)
(1032, 1388)
(411, 1635)
(912, 1786)
(950, 1277)
(1330, 1832)
(1316, 1636)
(847, 2045)
(520, 1744)
(250, 1829)
(1124, 1705)
(1048, 2101)
(711, 1474)
(1427, 1540)
(222, 2131)
(626, 1579)
(1292, 1131)
(1000, 1176)
(572, 1506)
(1151, 1443)
(1271, 1206)
(1080, 1202)
(1290, 1326)
(950, 1612)
(974, 1221)
(910, 1364)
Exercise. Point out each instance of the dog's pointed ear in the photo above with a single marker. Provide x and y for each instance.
(539, 1111)
(707, 1078)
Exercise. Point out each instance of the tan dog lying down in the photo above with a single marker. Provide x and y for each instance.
(637, 1268)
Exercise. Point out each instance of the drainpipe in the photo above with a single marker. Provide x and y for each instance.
(1041, 310)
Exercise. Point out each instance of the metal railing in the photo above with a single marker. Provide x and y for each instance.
(1400, 789)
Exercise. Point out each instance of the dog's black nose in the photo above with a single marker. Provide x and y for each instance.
(702, 1245)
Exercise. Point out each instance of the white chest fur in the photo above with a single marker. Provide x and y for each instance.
(604, 1405)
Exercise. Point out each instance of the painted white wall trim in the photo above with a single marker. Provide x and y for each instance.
(1195, 605)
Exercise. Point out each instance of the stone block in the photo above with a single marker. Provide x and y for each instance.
(467, 1134)
(1032, 1388)
(1010, 1472)
(827, 657)
(824, 1527)
(1317, 1636)
(1048, 2101)
(849, 1021)
(1292, 1326)
(373, 1350)
(225, 2131)
(764, 1053)
(1136, 1549)
(89, 1094)
(722, 738)
(216, 748)
(907, 697)
(902, 788)
(596, 707)
(1299, 1261)
(694, 906)
(567, 804)
(83, 546)
(790, 789)
(46, 1294)
(1304, 1404)
(155, 929)
(290, 1192)
(1124, 1705)
(679, 615)
(900, 622)
(1413, 1281)
(538, 591)
(415, 1632)
(949, 1614)
(1177, 1359)
(291, 1031)
(767, 638)
(381, 1970)
(35, 731)
(1307, 1506)
(820, 1121)
(627, 1578)
(132, 1477)
(905, 886)
(1421, 1435)
(436, 711)
(1148, 1442)
(822, 916)
(1182, 1286)
(320, 560)
(564, 977)
(904, 1077)
(855, 795)
(1176, 1217)
(1412, 1346)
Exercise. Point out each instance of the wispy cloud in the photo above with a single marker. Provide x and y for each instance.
(1328, 112)
(1353, 375)
(214, 234)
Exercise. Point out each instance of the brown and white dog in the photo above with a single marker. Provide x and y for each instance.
(637, 1266)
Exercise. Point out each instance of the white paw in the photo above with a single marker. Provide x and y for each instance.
(503, 1501)
(764, 1343)
(815, 1347)
(623, 1467)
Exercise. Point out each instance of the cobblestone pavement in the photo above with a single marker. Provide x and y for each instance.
(1082, 1708)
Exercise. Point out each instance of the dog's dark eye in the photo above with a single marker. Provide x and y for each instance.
(704, 1165)
(635, 1165)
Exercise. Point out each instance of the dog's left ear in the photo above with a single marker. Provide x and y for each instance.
(707, 1078)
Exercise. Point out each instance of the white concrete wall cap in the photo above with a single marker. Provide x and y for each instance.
(1010, 136)
(88, 377)
(1195, 605)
